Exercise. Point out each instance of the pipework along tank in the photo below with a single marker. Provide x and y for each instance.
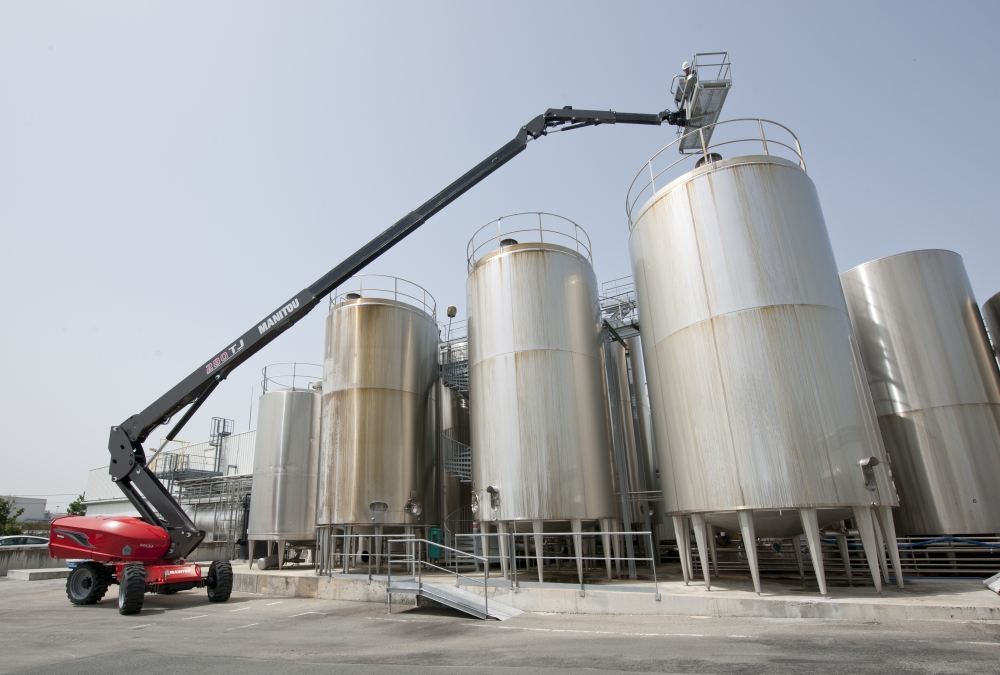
(991, 316)
(286, 458)
(936, 389)
(761, 411)
(540, 439)
(378, 454)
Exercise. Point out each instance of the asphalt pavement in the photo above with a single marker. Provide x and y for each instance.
(40, 632)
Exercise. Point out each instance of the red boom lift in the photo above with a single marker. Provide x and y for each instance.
(146, 554)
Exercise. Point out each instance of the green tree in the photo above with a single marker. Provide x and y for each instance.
(8, 517)
(76, 508)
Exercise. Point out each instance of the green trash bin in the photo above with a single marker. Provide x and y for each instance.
(434, 534)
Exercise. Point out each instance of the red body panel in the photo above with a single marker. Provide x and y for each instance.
(168, 574)
(107, 539)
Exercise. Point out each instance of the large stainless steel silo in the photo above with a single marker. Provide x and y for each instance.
(540, 439)
(286, 462)
(378, 459)
(991, 315)
(936, 389)
(761, 411)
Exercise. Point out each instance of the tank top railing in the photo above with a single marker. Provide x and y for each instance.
(748, 132)
(527, 228)
(385, 287)
(289, 375)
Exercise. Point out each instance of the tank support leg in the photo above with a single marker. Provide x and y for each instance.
(884, 514)
(346, 553)
(797, 550)
(698, 522)
(378, 549)
(656, 544)
(577, 526)
(606, 543)
(711, 550)
(281, 553)
(250, 552)
(616, 547)
(880, 547)
(750, 545)
(683, 543)
(810, 523)
(845, 555)
(502, 548)
(863, 517)
(537, 528)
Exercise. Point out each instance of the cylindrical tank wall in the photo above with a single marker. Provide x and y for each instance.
(991, 315)
(286, 461)
(936, 389)
(378, 460)
(539, 427)
(758, 397)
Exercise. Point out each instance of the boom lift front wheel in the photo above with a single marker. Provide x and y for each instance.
(219, 581)
(131, 589)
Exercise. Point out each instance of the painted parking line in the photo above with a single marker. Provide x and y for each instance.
(304, 613)
(241, 609)
(145, 625)
(275, 603)
(991, 644)
(238, 627)
(589, 632)
(200, 616)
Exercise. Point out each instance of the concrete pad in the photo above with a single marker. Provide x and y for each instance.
(922, 599)
(38, 575)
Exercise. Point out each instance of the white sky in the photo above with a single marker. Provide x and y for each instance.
(171, 172)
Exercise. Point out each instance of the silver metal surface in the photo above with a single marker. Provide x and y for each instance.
(991, 316)
(540, 437)
(455, 433)
(758, 398)
(286, 462)
(380, 427)
(641, 462)
(936, 389)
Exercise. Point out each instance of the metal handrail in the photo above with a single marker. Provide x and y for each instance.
(312, 372)
(472, 250)
(512, 551)
(706, 153)
(364, 286)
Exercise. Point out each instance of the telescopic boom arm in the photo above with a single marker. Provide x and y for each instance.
(128, 460)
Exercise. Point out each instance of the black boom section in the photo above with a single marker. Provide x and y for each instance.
(128, 458)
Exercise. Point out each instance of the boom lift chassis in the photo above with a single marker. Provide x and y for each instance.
(129, 466)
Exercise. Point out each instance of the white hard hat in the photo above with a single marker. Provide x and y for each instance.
(685, 66)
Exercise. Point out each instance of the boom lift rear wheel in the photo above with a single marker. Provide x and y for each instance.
(131, 589)
(219, 581)
(87, 583)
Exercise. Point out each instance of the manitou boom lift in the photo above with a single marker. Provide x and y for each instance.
(147, 553)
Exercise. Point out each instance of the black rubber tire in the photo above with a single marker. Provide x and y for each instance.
(220, 581)
(87, 583)
(131, 590)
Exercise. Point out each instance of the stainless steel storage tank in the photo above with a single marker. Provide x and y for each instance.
(991, 315)
(760, 406)
(936, 389)
(540, 443)
(286, 458)
(378, 463)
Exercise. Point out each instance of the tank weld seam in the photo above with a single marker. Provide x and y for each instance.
(938, 407)
(706, 170)
(749, 309)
